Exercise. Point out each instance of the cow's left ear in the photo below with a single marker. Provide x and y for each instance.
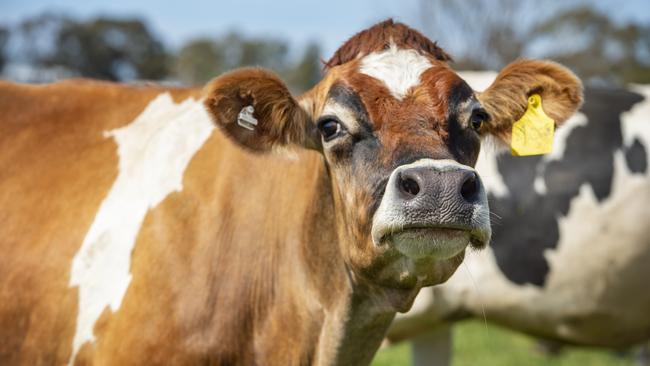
(506, 100)
(254, 108)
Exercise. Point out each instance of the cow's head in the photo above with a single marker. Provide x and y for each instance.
(400, 133)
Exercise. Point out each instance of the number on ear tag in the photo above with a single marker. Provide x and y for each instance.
(533, 133)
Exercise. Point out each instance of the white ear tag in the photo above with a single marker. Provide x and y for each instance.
(245, 118)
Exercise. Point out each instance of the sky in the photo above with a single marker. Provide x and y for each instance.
(328, 22)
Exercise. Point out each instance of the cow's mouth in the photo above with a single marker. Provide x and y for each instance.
(430, 241)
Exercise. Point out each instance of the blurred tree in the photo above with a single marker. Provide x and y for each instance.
(487, 34)
(118, 49)
(307, 72)
(103, 48)
(198, 61)
(268, 53)
(110, 49)
(608, 51)
(37, 37)
(202, 59)
(480, 34)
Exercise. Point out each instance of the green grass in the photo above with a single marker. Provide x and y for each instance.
(476, 345)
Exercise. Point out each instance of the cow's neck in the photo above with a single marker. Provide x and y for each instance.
(356, 314)
(354, 328)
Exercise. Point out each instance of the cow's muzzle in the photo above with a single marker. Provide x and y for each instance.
(432, 208)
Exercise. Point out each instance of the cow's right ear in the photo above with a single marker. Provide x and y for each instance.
(254, 108)
(507, 99)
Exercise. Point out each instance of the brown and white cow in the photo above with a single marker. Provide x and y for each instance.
(135, 232)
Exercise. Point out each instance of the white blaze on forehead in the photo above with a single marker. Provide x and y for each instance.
(398, 69)
(154, 151)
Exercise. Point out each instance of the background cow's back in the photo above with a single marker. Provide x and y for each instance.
(571, 245)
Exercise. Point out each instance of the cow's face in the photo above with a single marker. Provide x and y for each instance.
(400, 133)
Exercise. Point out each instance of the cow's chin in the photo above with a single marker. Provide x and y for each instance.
(429, 242)
(409, 258)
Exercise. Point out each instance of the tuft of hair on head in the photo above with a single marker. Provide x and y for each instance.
(379, 37)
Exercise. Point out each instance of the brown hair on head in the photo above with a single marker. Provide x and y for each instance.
(379, 36)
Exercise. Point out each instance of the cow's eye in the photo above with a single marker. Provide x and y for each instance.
(479, 116)
(329, 128)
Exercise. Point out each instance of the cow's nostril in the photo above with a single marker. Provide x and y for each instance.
(470, 187)
(409, 185)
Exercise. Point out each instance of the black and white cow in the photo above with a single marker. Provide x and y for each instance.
(570, 255)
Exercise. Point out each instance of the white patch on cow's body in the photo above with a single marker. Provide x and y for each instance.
(604, 247)
(488, 169)
(398, 69)
(154, 151)
(636, 122)
(559, 147)
(562, 134)
(494, 182)
(540, 185)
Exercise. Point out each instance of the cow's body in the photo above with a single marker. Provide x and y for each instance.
(571, 245)
(144, 225)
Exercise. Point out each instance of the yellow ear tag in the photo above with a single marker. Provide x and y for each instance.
(533, 133)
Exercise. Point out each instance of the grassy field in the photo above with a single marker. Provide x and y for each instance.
(476, 345)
